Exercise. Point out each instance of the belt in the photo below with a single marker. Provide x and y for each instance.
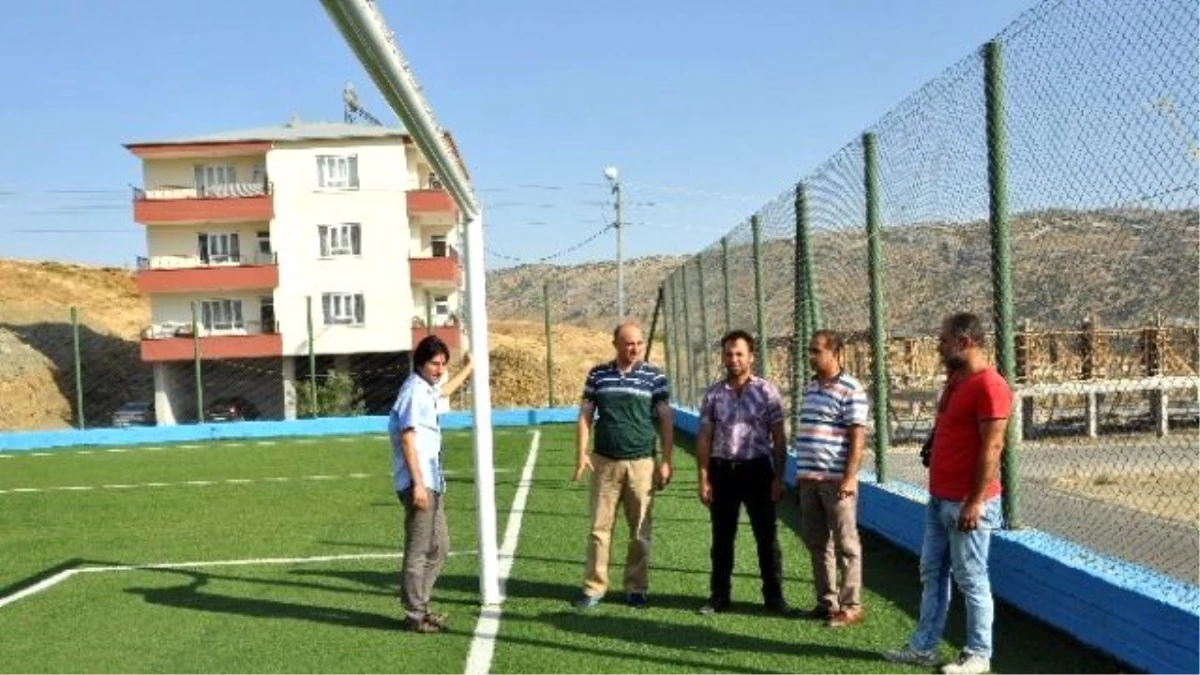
(721, 461)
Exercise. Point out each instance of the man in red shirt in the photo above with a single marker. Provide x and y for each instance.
(964, 499)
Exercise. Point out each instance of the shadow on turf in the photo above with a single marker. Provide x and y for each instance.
(711, 646)
(193, 596)
(567, 591)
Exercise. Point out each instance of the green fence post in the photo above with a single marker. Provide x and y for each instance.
(687, 339)
(879, 370)
(658, 300)
(810, 277)
(705, 346)
(312, 360)
(760, 299)
(666, 331)
(199, 369)
(677, 341)
(549, 346)
(726, 288)
(78, 369)
(1001, 268)
(801, 333)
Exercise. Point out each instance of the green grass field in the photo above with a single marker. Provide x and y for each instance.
(258, 536)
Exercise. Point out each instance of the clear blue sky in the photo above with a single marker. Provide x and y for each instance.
(708, 108)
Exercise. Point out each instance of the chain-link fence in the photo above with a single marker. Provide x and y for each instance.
(1047, 183)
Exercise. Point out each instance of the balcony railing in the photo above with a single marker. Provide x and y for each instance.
(183, 329)
(225, 191)
(448, 321)
(181, 261)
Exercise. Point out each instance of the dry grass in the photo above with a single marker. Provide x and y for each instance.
(1163, 494)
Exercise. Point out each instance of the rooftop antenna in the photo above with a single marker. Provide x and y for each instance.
(353, 109)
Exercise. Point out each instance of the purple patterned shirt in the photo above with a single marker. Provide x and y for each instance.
(742, 423)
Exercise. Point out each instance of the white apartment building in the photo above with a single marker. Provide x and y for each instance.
(259, 232)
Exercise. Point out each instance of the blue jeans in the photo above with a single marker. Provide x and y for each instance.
(946, 549)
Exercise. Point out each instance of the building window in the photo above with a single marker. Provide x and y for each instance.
(441, 309)
(222, 315)
(438, 243)
(219, 247)
(337, 171)
(341, 239)
(264, 242)
(210, 177)
(343, 309)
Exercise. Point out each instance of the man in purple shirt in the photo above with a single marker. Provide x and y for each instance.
(740, 450)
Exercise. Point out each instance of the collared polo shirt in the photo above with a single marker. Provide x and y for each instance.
(822, 440)
(416, 409)
(625, 405)
(742, 422)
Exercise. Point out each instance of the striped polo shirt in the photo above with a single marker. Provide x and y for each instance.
(625, 405)
(822, 427)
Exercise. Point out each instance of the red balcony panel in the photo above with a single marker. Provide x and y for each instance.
(240, 277)
(439, 271)
(449, 334)
(429, 201)
(214, 347)
(195, 210)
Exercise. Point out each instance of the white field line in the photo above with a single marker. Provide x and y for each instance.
(190, 483)
(186, 483)
(67, 574)
(483, 644)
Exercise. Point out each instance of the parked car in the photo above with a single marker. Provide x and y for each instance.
(231, 409)
(134, 413)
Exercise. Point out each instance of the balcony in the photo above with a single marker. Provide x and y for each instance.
(429, 201)
(187, 273)
(215, 203)
(436, 271)
(174, 341)
(450, 334)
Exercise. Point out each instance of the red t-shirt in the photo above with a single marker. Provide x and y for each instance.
(957, 445)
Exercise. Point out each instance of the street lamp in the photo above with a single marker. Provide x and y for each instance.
(611, 174)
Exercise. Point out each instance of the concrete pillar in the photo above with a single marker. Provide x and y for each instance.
(289, 387)
(1093, 415)
(164, 412)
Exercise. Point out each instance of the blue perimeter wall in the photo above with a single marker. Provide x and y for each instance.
(335, 426)
(1146, 619)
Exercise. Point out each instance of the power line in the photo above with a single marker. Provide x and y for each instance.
(552, 256)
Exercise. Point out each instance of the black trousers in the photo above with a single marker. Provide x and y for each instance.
(735, 483)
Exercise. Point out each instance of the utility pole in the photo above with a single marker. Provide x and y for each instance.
(611, 174)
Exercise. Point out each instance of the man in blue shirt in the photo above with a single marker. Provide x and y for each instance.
(417, 477)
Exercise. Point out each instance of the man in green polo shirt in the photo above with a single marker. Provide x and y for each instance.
(622, 398)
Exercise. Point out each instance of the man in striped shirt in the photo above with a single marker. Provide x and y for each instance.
(624, 398)
(829, 446)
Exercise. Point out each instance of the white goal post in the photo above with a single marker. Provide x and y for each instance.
(365, 31)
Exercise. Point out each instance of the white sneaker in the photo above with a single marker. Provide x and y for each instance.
(968, 664)
(912, 656)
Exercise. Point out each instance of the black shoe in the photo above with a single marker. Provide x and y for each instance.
(636, 600)
(714, 606)
(778, 606)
